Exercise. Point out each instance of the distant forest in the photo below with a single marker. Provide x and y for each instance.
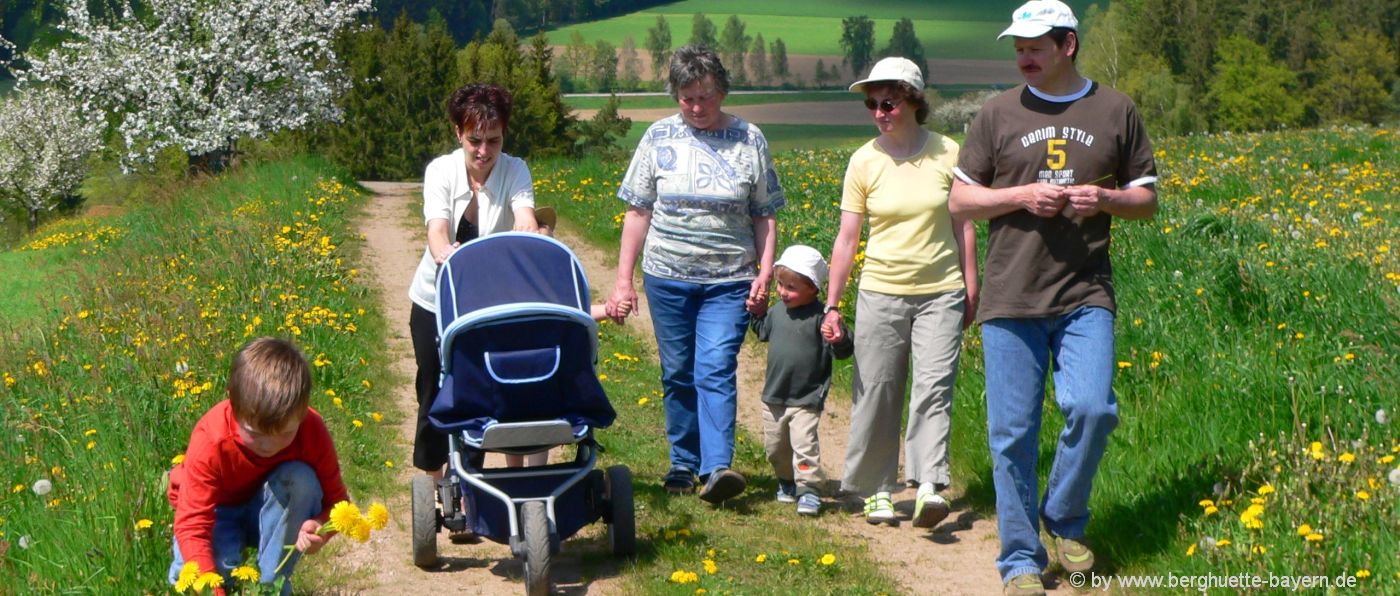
(26, 23)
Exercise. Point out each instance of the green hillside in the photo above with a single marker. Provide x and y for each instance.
(948, 30)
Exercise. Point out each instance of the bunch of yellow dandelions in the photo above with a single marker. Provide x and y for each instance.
(345, 518)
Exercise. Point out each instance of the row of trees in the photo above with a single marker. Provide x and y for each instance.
(396, 118)
(751, 59)
(1201, 65)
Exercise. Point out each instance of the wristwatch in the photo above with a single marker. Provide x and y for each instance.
(828, 308)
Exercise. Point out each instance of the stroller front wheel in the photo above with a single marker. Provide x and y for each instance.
(536, 530)
(425, 521)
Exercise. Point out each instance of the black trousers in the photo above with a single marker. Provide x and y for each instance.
(429, 445)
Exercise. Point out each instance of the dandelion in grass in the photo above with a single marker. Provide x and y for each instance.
(175, 461)
(389, 463)
(761, 558)
(1314, 537)
(188, 574)
(246, 573)
(643, 401)
(1211, 510)
(681, 576)
(794, 561)
(24, 542)
(1266, 489)
(1363, 495)
(1346, 458)
(1394, 477)
(1222, 543)
(1363, 573)
(1387, 459)
(1259, 549)
(144, 524)
(42, 486)
(710, 566)
(828, 559)
(1191, 550)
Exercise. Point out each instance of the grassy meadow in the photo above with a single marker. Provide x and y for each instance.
(1256, 348)
(948, 30)
(105, 373)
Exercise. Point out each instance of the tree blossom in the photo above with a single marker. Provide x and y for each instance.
(200, 74)
(43, 148)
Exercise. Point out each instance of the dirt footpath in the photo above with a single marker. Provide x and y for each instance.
(955, 558)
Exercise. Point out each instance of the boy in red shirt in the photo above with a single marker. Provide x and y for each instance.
(260, 469)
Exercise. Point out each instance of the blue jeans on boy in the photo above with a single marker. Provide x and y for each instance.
(699, 329)
(271, 520)
(1018, 354)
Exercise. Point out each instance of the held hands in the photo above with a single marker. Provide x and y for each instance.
(308, 541)
(622, 301)
(832, 331)
(757, 302)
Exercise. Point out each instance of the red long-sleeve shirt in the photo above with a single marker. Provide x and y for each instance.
(219, 470)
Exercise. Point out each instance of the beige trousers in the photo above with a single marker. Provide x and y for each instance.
(790, 438)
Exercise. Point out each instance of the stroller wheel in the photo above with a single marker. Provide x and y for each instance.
(536, 531)
(622, 522)
(425, 521)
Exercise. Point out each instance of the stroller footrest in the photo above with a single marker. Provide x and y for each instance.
(511, 435)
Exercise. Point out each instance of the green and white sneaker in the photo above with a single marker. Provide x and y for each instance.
(1026, 584)
(879, 510)
(929, 507)
(1074, 555)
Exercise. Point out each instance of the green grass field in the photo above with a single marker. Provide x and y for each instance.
(960, 29)
(1256, 352)
(104, 374)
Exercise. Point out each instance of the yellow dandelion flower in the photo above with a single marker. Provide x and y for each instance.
(1259, 549)
(1124, 364)
(1222, 542)
(1304, 530)
(670, 535)
(208, 581)
(1387, 459)
(142, 524)
(344, 515)
(246, 573)
(1363, 573)
(1211, 510)
(378, 515)
(376, 416)
(359, 531)
(1191, 550)
(684, 532)
(794, 562)
(643, 401)
(1346, 458)
(1314, 537)
(710, 566)
(681, 576)
(700, 590)
(175, 461)
(828, 559)
(1315, 446)
(1206, 503)
(357, 423)
(1363, 495)
(388, 463)
(1266, 489)
(188, 574)
(760, 558)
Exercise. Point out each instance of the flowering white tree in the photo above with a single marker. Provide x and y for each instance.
(43, 146)
(200, 74)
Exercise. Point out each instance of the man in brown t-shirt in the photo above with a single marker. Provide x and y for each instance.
(1050, 163)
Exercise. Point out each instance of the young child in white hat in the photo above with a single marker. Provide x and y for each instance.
(799, 376)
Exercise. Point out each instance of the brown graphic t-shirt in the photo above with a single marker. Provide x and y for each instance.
(1036, 266)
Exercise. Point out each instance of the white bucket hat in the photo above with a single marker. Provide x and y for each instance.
(893, 68)
(1038, 17)
(805, 261)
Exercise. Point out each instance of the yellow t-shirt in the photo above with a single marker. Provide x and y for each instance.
(910, 250)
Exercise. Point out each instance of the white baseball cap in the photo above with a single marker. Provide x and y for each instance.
(893, 68)
(1038, 17)
(805, 261)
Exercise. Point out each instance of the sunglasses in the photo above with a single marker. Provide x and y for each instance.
(885, 105)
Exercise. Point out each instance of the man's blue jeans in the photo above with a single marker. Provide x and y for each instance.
(1019, 353)
(271, 520)
(699, 329)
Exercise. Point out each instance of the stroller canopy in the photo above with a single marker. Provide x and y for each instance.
(517, 342)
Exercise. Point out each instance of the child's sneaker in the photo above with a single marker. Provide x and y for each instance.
(679, 481)
(878, 509)
(809, 504)
(787, 491)
(929, 507)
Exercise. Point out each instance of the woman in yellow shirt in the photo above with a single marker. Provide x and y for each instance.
(918, 291)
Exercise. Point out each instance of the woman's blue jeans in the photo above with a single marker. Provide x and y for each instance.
(699, 329)
(270, 520)
(1018, 354)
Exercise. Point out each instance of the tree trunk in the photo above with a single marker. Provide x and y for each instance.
(33, 219)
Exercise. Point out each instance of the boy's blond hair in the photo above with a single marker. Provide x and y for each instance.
(269, 384)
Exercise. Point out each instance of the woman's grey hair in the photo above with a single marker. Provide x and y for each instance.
(693, 63)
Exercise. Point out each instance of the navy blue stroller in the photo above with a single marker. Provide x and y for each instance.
(518, 349)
